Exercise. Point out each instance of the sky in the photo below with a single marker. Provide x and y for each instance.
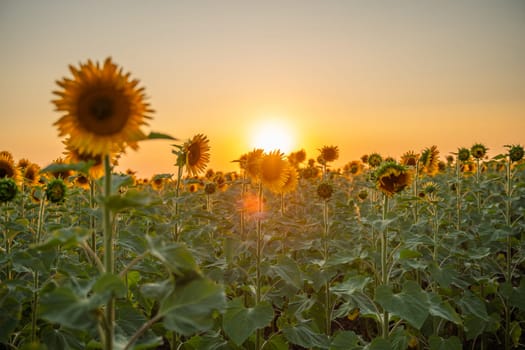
(366, 76)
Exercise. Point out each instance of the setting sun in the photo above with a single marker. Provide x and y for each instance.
(272, 134)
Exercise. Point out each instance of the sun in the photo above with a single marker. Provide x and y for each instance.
(272, 134)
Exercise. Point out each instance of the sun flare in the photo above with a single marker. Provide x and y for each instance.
(272, 134)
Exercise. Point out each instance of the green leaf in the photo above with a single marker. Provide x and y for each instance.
(303, 336)
(440, 308)
(345, 340)
(189, 308)
(408, 254)
(472, 304)
(131, 199)
(288, 270)
(160, 136)
(11, 312)
(82, 167)
(351, 285)
(240, 322)
(410, 304)
(516, 296)
(210, 341)
(379, 344)
(176, 256)
(157, 290)
(110, 284)
(438, 343)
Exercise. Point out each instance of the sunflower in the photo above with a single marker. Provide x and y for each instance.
(251, 163)
(197, 154)
(74, 156)
(325, 190)
(409, 158)
(291, 181)
(392, 178)
(7, 155)
(374, 160)
(23, 164)
(516, 153)
(430, 160)
(157, 183)
(8, 189)
(355, 167)
(274, 171)
(328, 154)
(62, 174)
(463, 154)
(56, 190)
(210, 188)
(478, 150)
(31, 174)
(8, 168)
(82, 181)
(103, 109)
(296, 158)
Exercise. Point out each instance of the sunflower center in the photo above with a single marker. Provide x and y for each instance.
(194, 154)
(3, 173)
(103, 111)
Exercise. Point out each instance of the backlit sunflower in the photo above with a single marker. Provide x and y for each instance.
(23, 163)
(291, 181)
(8, 168)
(7, 155)
(430, 160)
(103, 109)
(74, 156)
(197, 151)
(355, 168)
(274, 171)
(31, 174)
(478, 150)
(392, 178)
(409, 158)
(82, 181)
(516, 153)
(63, 174)
(374, 160)
(328, 154)
(251, 163)
(296, 158)
(463, 154)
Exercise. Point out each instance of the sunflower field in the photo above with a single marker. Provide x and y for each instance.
(286, 253)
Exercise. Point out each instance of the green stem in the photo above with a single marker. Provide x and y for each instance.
(36, 276)
(91, 216)
(508, 277)
(384, 268)
(108, 255)
(328, 307)
(458, 194)
(177, 193)
(258, 257)
(7, 243)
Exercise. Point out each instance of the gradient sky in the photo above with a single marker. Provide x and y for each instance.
(367, 76)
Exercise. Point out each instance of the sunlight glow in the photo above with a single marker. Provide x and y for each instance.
(272, 134)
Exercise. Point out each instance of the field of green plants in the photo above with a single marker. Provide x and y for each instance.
(350, 258)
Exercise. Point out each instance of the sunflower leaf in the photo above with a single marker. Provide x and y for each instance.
(82, 167)
(160, 136)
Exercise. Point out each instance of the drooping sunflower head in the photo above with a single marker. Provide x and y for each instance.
(328, 154)
(274, 171)
(8, 189)
(210, 188)
(31, 174)
(374, 160)
(103, 108)
(291, 181)
(429, 191)
(197, 154)
(23, 164)
(296, 158)
(8, 168)
(251, 163)
(325, 190)
(516, 153)
(56, 190)
(478, 150)
(62, 174)
(409, 158)
(430, 160)
(392, 178)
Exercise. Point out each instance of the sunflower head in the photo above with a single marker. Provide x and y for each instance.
(325, 190)
(362, 195)
(56, 190)
(7, 156)
(409, 158)
(430, 160)
(274, 171)
(450, 160)
(310, 172)
(157, 183)
(478, 150)
(31, 174)
(197, 154)
(102, 108)
(23, 163)
(8, 189)
(374, 160)
(516, 153)
(296, 158)
(82, 181)
(210, 188)
(75, 156)
(63, 174)
(251, 163)
(355, 168)
(328, 154)
(8, 168)
(463, 154)
(429, 191)
(291, 181)
(392, 178)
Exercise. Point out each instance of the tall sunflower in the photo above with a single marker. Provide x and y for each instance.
(274, 171)
(409, 158)
(392, 178)
(103, 109)
(374, 160)
(31, 174)
(478, 150)
(251, 163)
(197, 153)
(430, 160)
(291, 181)
(328, 154)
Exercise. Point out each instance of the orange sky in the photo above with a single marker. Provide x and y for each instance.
(367, 76)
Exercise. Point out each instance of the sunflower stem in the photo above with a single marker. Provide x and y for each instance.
(177, 193)
(36, 276)
(328, 307)
(258, 255)
(108, 255)
(92, 217)
(384, 268)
